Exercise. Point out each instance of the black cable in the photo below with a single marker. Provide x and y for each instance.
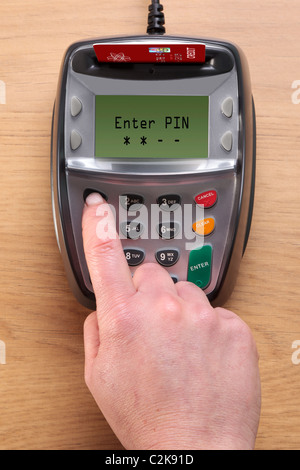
(156, 18)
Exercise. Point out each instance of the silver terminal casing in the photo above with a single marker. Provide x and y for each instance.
(229, 169)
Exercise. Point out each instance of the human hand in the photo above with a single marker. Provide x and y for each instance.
(166, 369)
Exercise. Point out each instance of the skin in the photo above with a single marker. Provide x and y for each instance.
(166, 369)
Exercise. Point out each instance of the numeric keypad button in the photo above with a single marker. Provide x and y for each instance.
(133, 256)
(131, 201)
(132, 230)
(168, 230)
(89, 191)
(167, 257)
(169, 202)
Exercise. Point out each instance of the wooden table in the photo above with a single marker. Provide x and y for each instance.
(44, 403)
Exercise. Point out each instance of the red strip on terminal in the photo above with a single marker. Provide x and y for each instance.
(145, 53)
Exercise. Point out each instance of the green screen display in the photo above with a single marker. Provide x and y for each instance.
(151, 126)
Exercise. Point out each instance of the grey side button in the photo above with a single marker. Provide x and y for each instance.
(227, 107)
(76, 106)
(76, 140)
(227, 141)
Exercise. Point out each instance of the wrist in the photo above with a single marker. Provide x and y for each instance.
(196, 439)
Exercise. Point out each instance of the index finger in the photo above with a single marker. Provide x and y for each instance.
(109, 271)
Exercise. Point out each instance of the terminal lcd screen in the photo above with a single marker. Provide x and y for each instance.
(151, 126)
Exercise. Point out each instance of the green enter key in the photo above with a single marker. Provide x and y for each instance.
(200, 262)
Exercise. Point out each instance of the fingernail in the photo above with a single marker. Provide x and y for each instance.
(94, 199)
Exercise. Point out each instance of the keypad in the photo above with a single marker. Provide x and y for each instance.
(199, 266)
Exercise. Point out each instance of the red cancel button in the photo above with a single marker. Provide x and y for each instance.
(207, 199)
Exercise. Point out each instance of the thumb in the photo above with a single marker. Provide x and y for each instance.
(91, 342)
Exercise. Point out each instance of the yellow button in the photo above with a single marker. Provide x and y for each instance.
(204, 226)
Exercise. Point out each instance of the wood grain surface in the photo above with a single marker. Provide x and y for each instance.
(44, 403)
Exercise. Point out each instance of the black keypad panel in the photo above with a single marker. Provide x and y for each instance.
(167, 257)
(131, 201)
(133, 256)
(169, 202)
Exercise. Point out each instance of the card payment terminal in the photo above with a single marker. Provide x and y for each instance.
(147, 124)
